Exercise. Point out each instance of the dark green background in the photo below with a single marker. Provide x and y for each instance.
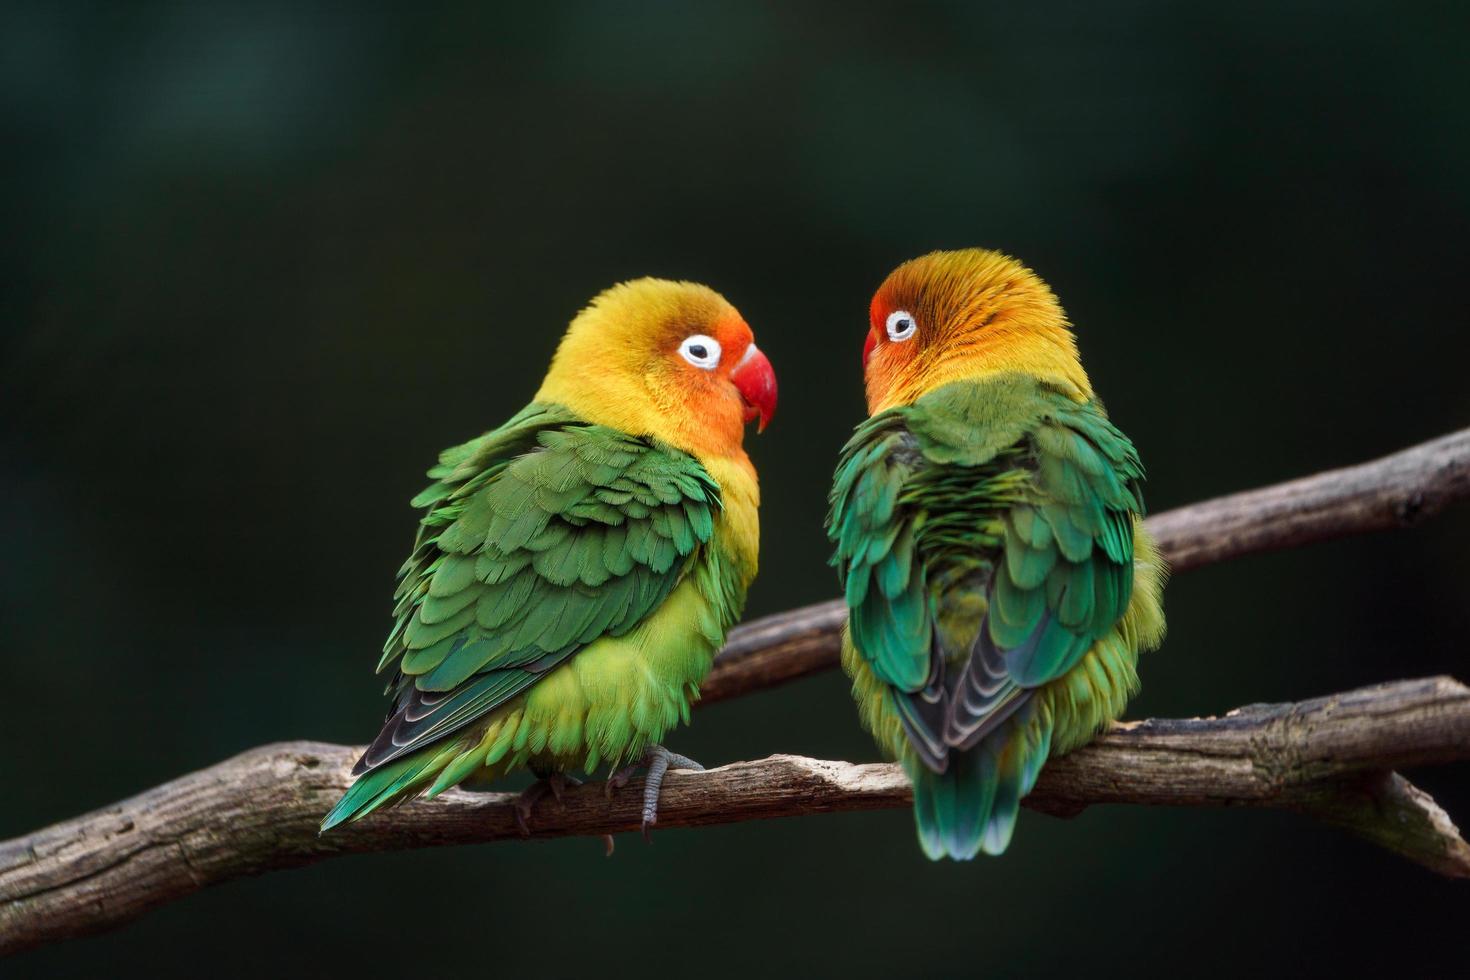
(262, 261)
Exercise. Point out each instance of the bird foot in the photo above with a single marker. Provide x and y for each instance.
(554, 783)
(657, 760)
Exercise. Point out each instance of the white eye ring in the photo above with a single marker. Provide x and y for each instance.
(701, 350)
(901, 325)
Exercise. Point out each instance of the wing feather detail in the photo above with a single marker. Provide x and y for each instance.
(539, 538)
(984, 536)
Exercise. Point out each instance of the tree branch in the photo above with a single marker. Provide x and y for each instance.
(1331, 758)
(1396, 491)
(259, 811)
(1400, 490)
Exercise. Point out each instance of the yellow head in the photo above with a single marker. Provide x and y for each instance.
(671, 360)
(949, 316)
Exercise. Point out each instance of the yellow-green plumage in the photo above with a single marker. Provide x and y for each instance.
(566, 595)
(1000, 584)
(577, 567)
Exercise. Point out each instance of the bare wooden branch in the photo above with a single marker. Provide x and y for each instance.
(1388, 810)
(775, 649)
(259, 811)
(1396, 491)
(1393, 492)
(1331, 759)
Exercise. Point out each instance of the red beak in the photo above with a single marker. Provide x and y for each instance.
(868, 346)
(756, 381)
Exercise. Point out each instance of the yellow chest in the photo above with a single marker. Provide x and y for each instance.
(738, 529)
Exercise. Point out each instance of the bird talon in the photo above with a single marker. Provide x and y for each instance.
(522, 812)
(558, 782)
(555, 784)
(619, 779)
(659, 760)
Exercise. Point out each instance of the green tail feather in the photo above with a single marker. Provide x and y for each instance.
(378, 787)
(972, 805)
(952, 808)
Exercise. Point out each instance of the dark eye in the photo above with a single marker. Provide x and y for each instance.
(901, 325)
(701, 350)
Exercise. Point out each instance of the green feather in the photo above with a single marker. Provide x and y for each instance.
(373, 790)
(540, 538)
(434, 609)
(1014, 506)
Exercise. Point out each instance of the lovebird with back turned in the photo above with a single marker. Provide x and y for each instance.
(576, 569)
(987, 523)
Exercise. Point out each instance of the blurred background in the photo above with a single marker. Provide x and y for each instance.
(262, 261)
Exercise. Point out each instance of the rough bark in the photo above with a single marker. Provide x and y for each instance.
(1331, 758)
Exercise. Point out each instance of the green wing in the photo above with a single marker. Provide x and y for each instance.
(540, 537)
(985, 538)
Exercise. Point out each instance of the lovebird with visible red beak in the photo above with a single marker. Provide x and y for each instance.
(576, 568)
(987, 519)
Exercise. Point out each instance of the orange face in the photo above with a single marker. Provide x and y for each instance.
(909, 320)
(718, 366)
(673, 360)
(951, 315)
(886, 314)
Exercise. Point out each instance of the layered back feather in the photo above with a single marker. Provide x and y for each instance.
(985, 537)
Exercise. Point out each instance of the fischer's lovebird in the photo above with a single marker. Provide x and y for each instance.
(988, 527)
(576, 569)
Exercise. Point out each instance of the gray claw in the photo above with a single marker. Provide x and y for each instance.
(658, 761)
